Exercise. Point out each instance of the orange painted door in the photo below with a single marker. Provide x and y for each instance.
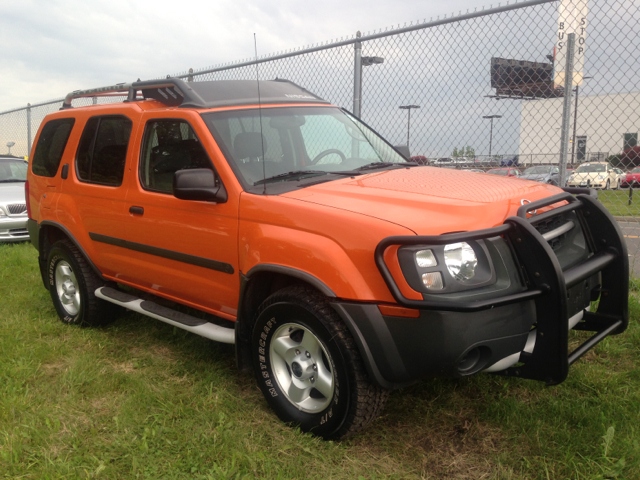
(181, 249)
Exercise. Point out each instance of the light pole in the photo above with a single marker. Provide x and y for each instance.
(361, 62)
(408, 108)
(575, 123)
(491, 117)
(9, 145)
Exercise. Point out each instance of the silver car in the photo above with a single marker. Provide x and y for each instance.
(13, 207)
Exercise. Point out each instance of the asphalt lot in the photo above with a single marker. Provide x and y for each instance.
(631, 232)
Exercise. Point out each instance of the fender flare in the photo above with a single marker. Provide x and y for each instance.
(49, 223)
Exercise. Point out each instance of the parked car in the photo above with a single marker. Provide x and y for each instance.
(631, 179)
(510, 161)
(542, 173)
(599, 175)
(13, 207)
(337, 276)
(420, 160)
(506, 172)
(439, 162)
(621, 175)
(477, 170)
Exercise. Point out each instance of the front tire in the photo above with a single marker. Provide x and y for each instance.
(308, 367)
(72, 284)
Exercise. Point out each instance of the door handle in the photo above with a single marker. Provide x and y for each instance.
(136, 210)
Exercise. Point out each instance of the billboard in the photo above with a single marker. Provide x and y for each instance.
(523, 79)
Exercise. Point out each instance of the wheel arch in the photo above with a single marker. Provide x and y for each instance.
(50, 233)
(256, 286)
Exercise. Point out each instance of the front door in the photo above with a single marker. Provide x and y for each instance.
(183, 250)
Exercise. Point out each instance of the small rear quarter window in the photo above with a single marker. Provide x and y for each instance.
(50, 147)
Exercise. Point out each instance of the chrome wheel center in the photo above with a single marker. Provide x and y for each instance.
(302, 367)
(67, 288)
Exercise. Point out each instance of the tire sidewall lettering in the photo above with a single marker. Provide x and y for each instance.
(331, 417)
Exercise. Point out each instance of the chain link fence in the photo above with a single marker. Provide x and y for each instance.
(474, 90)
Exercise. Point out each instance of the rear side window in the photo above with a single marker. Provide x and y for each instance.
(51, 144)
(103, 150)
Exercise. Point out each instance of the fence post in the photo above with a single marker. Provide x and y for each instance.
(190, 77)
(29, 130)
(566, 109)
(357, 76)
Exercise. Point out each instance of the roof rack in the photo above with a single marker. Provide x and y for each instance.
(174, 92)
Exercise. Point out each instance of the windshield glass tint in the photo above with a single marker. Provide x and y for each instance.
(591, 168)
(13, 171)
(315, 139)
(537, 170)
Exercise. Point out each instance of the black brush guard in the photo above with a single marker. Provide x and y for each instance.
(546, 283)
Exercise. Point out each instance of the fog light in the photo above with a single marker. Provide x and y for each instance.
(426, 258)
(432, 280)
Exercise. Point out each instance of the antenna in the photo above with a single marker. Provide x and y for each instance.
(264, 165)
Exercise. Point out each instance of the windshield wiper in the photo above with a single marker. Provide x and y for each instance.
(288, 175)
(374, 165)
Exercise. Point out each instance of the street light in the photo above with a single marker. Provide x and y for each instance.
(363, 62)
(575, 123)
(9, 145)
(408, 108)
(491, 117)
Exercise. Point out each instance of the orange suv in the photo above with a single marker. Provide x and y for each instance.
(274, 221)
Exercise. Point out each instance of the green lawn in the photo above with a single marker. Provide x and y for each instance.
(140, 399)
(617, 202)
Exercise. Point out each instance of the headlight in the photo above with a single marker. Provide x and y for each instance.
(447, 268)
(461, 261)
(600, 177)
(426, 258)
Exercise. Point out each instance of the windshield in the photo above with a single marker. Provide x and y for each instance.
(296, 142)
(537, 170)
(13, 171)
(498, 172)
(636, 170)
(591, 168)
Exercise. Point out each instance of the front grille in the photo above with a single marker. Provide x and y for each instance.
(550, 225)
(565, 237)
(17, 209)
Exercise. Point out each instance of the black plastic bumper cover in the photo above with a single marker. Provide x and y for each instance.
(548, 287)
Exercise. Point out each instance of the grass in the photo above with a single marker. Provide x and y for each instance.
(617, 202)
(140, 399)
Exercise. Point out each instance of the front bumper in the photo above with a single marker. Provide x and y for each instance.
(463, 337)
(13, 229)
(588, 184)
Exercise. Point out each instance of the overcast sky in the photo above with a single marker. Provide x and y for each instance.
(51, 47)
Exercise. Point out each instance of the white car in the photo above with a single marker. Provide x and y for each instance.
(13, 207)
(600, 175)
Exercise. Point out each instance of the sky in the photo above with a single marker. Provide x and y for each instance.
(51, 47)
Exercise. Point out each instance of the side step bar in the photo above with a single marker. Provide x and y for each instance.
(167, 315)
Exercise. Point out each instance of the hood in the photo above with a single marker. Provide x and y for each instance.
(538, 177)
(428, 200)
(587, 176)
(12, 193)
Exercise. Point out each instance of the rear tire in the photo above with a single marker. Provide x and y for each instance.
(309, 368)
(72, 285)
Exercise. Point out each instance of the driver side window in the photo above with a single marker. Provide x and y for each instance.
(168, 146)
(325, 137)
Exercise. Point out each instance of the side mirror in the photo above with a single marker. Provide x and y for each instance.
(198, 184)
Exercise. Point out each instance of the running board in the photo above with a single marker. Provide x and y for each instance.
(167, 315)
